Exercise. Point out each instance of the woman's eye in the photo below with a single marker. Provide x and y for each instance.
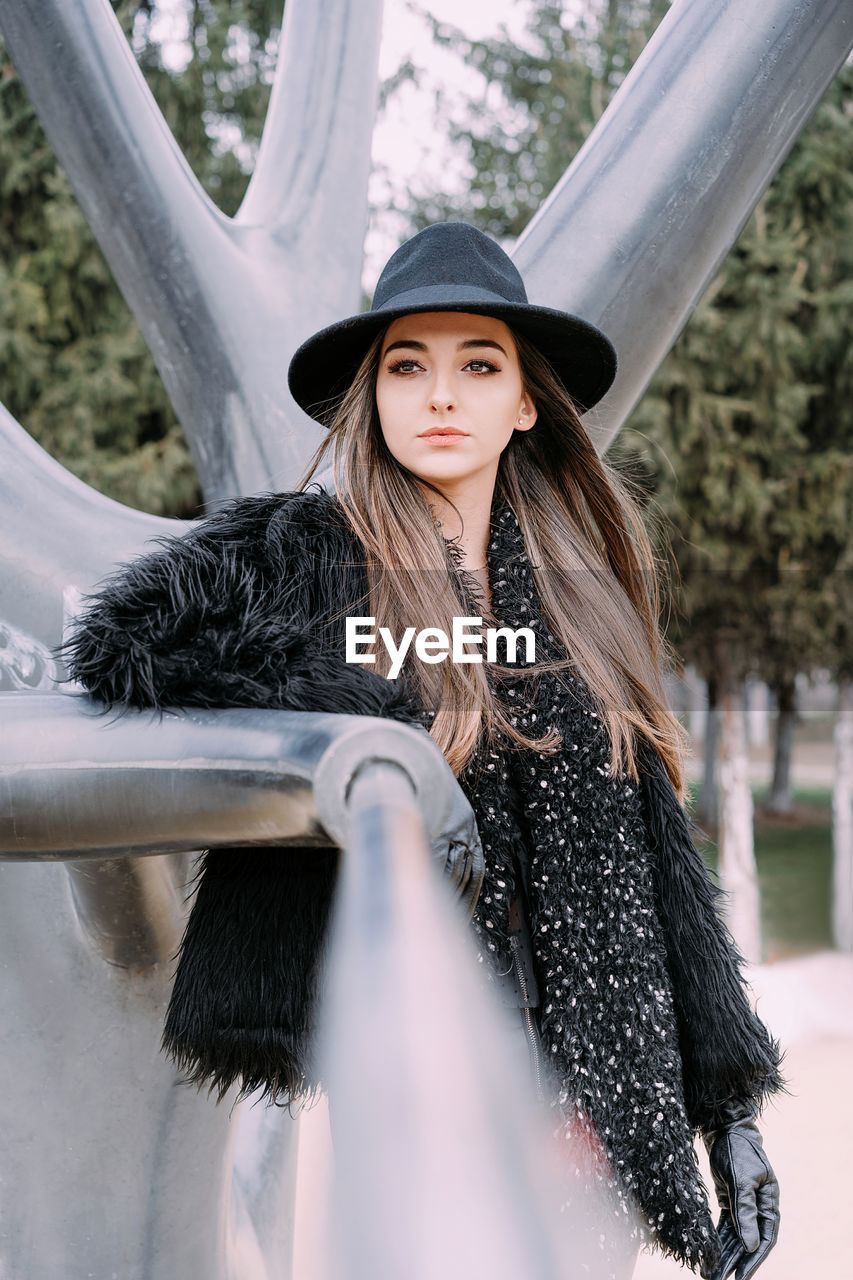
(488, 367)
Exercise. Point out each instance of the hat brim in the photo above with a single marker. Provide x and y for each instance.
(323, 367)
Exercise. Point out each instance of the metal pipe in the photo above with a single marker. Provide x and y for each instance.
(194, 1189)
(75, 784)
(80, 787)
(444, 1165)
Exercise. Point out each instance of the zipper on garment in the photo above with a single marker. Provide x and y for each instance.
(528, 1018)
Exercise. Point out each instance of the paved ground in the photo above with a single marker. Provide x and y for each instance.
(808, 1003)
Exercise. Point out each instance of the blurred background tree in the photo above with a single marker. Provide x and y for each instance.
(532, 105)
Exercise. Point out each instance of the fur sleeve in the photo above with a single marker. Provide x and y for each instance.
(228, 615)
(188, 624)
(727, 1052)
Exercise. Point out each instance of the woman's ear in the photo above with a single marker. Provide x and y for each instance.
(527, 415)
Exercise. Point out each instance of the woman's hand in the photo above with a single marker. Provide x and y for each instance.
(747, 1192)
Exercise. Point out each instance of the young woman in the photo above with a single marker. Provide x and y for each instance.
(466, 486)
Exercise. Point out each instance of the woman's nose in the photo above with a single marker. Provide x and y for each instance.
(440, 397)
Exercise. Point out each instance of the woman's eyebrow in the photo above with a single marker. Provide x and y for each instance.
(462, 346)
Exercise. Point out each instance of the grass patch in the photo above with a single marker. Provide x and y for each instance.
(794, 859)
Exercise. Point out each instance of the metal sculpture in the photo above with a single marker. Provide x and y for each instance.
(655, 198)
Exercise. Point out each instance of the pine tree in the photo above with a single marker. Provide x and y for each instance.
(750, 426)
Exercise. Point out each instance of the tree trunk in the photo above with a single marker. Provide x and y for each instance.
(706, 809)
(758, 709)
(780, 798)
(842, 821)
(697, 710)
(738, 872)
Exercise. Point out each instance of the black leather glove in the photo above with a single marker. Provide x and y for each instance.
(460, 852)
(457, 848)
(747, 1192)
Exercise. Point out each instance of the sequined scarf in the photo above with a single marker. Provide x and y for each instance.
(608, 1018)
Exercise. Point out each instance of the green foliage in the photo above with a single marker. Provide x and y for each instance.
(794, 863)
(745, 435)
(74, 369)
(536, 106)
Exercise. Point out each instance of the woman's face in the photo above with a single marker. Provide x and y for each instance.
(450, 369)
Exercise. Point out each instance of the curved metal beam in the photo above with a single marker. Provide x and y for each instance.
(58, 536)
(286, 264)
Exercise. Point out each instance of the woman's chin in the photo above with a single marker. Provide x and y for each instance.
(442, 467)
(443, 475)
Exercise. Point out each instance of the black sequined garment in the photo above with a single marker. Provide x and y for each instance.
(644, 1013)
(607, 1013)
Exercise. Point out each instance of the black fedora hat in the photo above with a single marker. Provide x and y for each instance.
(451, 266)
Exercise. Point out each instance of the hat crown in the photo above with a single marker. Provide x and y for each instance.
(450, 266)
(453, 253)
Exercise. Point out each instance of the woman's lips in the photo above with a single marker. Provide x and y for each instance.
(445, 437)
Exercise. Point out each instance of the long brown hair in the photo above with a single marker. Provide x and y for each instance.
(594, 566)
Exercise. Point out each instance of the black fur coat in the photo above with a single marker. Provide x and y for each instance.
(644, 1009)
